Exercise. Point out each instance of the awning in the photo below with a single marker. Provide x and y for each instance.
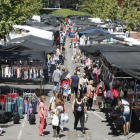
(99, 38)
(32, 38)
(114, 47)
(32, 45)
(93, 32)
(128, 62)
(22, 55)
(36, 32)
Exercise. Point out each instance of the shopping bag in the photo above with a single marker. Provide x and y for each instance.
(55, 120)
(49, 115)
(72, 58)
(66, 118)
(69, 92)
(86, 117)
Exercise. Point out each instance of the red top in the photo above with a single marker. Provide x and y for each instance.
(100, 94)
(68, 30)
(74, 39)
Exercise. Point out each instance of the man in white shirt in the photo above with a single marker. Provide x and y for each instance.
(56, 78)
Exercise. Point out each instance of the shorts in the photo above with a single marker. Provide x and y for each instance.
(74, 55)
(126, 117)
(74, 90)
(99, 99)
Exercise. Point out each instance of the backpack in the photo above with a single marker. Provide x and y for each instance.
(115, 93)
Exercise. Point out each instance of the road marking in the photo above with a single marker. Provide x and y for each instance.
(20, 132)
(99, 116)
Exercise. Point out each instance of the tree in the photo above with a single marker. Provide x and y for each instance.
(110, 10)
(16, 12)
(130, 13)
(104, 9)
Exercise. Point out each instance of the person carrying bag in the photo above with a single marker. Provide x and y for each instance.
(56, 120)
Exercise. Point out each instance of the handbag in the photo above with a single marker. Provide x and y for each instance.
(55, 120)
(45, 124)
(86, 117)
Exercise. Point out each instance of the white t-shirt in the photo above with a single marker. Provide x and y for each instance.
(52, 101)
(126, 104)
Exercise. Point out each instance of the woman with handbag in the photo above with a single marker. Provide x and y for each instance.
(90, 90)
(83, 85)
(79, 109)
(56, 119)
(42, 114)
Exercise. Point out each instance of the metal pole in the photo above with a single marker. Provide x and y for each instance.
(131, 110)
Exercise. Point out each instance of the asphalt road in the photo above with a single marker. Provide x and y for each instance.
(98, 127)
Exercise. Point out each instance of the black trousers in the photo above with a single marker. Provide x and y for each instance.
(79, 116)
(89, 103)
(83, 91)
(56, 131)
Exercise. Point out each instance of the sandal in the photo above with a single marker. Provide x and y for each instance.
(41, 134)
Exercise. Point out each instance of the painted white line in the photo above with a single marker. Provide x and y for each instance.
(23, 124)
(20, 132)
(99, 116)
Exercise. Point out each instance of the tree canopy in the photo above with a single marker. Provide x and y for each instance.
(16, 12)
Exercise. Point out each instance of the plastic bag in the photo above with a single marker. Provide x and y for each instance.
(55, 120)
(69, 92)
(86, 117)
(49, 115)
(66, 118)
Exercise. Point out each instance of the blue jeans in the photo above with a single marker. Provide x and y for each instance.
(126, 117)
(62, 121)
(56, 86)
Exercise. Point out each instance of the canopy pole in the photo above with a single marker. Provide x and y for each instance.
(131, 110)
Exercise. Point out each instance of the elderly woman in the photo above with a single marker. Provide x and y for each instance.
(83, 85)
(42, 114)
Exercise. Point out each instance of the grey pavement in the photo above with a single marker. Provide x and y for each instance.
(99, 126)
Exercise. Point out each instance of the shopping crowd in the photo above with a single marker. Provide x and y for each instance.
(82, 89)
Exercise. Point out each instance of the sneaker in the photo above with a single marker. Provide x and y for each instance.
(74, 129)
(84, 132)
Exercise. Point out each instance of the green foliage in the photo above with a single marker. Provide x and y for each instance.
(16, 12)
(104, 9)
(62, 12)
(129, 13)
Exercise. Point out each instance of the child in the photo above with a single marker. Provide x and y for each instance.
(66, 89)
(70, 43)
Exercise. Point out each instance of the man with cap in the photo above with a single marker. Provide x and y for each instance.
(56, 78)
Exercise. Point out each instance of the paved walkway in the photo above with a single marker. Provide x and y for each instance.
(98, 127)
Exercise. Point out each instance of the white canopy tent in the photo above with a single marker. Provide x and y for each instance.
(36, 32)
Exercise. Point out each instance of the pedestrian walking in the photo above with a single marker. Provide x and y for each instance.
(66, 88)
(90, 90)
(79, 110)
(99, 92)
(50, 107)
(74, 83)
(126, 104)
(42, 115)
(60, 97)
(74, 54)
(83, 85)
(57, 111)
(56, 78)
